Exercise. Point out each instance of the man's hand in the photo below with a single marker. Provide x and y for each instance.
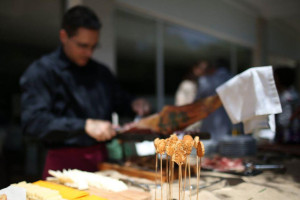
(141, 107)
(100, 130)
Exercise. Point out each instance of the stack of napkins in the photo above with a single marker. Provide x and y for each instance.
(251, 97)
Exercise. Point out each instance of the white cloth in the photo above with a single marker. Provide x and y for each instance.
(185, 93)
(267, 134)
(250, 97)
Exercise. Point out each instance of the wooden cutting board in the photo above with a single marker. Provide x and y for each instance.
(129, 194)
(132, 171)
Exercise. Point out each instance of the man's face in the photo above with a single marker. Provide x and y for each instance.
(79, 48)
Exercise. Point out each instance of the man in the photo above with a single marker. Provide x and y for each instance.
(68, 97)
(287, 122)
(217, 123)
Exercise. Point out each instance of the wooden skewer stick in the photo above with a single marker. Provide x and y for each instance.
(155, 174)
(185, 169)
(172, 178)
(200, 169)
(161, 178)
(167, 179)
(200, 153)
(190, 179)
(197, 177)
(179, 177)
(170, 181)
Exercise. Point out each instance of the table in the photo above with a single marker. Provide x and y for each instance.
(265, 186)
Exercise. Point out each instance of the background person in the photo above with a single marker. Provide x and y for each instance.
(287, 122)
(187, 89)
(217, 123)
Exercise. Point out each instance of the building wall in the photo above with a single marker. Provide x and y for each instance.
(282, 41)
(105, 53)
(214, 17)
(31, 22)
(37, 23)
(223, 19)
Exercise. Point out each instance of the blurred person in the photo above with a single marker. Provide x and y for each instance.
(217, 123)
(68, 98)
(187, 89)
(287, 122)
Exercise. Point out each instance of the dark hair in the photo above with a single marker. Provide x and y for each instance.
(285, 76)
(80, 16)
(189, 75)
(201, 60)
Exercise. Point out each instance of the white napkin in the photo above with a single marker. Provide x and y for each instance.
(250, 97)
(145, 148)
(14, 192)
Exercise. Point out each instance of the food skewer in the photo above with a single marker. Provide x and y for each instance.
(179, 157)
(161, 178)
(188, 146)
(167, 173)
(197, 177)
(179, 151)
(172, 179)
(179, 177)
(160, 145)
(155, 174)
(190, 180)
(185, 169)
(170, 149)
(200, 154)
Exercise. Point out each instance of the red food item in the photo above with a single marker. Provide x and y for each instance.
(223, 164)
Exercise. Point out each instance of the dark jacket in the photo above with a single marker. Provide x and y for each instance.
(58, 97)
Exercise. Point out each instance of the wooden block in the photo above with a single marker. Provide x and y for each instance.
(131, 171)
(129, 194)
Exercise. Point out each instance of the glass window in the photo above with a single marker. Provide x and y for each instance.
(183, 47)
(135, 46)
(136, 54)
(244, 58)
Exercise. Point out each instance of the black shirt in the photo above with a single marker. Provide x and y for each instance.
(58, 96)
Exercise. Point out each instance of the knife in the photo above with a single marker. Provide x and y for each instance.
(251, 168)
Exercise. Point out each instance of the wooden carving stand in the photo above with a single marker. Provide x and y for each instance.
(173, 118)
